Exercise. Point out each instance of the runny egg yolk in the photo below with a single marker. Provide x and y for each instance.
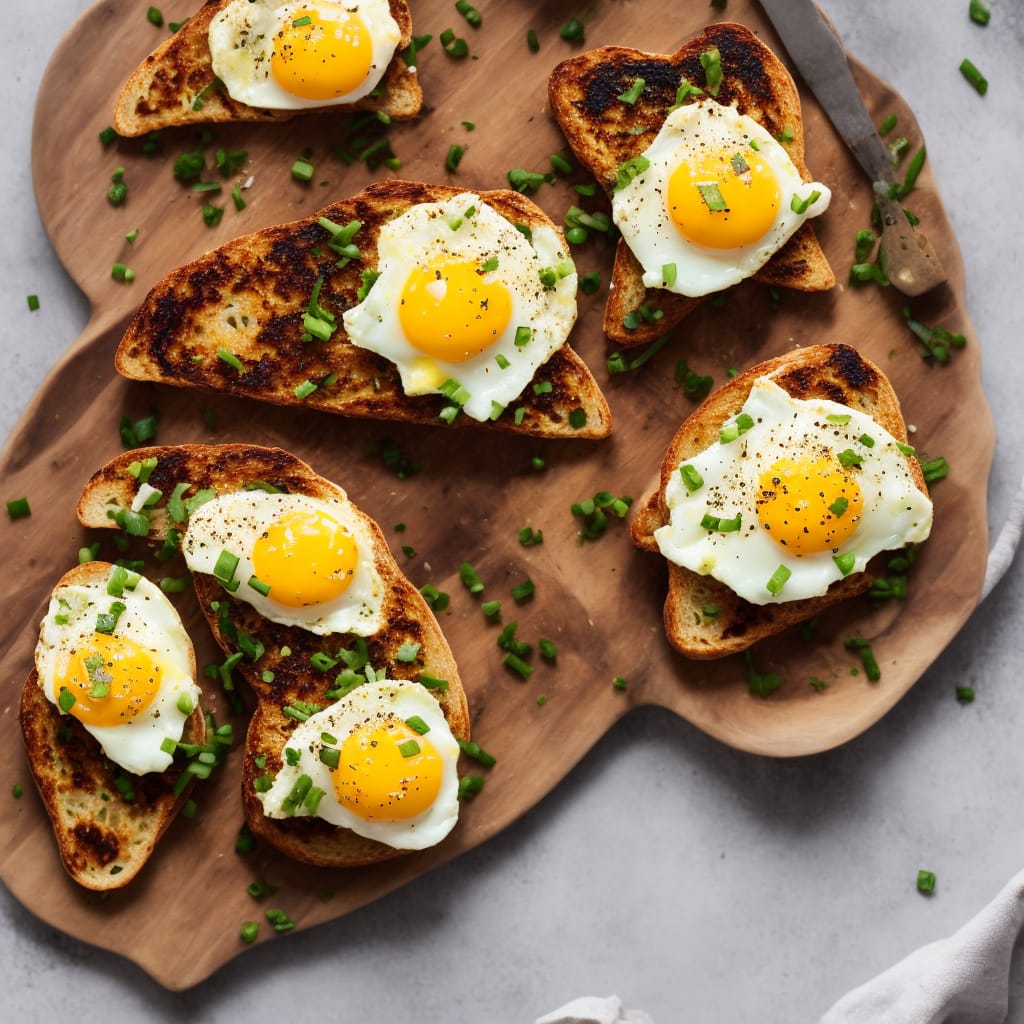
(723, 200)
(809, 504)
(448, 311)
(112, 679)
(305, 558)
(320, 58)
(387, 771)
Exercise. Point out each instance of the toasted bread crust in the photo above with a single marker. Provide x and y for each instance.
(162, 91)
(835, 372)
(407, 618)
(250, 295)
(604, 133)
(104, 839)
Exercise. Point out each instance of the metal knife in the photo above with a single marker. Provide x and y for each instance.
(908, 257)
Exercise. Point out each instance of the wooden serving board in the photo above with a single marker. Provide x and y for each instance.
(599, 602)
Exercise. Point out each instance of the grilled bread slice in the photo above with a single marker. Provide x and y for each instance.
(176, 85)
(604, 133)
(835, 372)
(106, 821)
(249, 298)
(282, 676)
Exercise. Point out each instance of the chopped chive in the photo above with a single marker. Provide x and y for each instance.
(547, 649)
(887, 125)
(33, 302)
(520, 667)
(19, 508)
(630, 169)
(801, 206)
(302, 22)
(259, 586)
(532, 42)
(305, 389)
(119, 272)
(840, 419)
(470, 579)
(839, 506)
(711, 62)
(965, 694)
(620, 683)
(454, 158)
(974, 76)
(438, 600)
(668, 274)
(470, 786)
(469, 12)
(867, 657)
(433, 683)
(212, 215)
(713, 198)
(475, 751)
(979, 12)
(529, 537)
(417, 725)
(778, 580)
(410, 748)
(231, 359)
(739, 426)
(106, 622)
(225, 566)
(926, 882)
(330, 756)
(65, 700)
(560, 164)
(633, 93)
(848, 457)
(935, 469)
(691, 478)
(719, 525)
(578, 419)
(303, 170)
(453, 45)
(572, 31)
(490, 608)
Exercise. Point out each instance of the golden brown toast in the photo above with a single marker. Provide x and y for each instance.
(604, 133)
(106, 821)
(287, 649)
(249, 297)
(175, 84)
(835, 372)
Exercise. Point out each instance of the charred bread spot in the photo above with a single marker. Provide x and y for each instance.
(102, 847)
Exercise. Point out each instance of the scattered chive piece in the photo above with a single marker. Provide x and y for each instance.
(305, 389)
(17, 790)
(108, 135)
(438, 600)
(65, 700)
(979, 12)
(279, 920)
(529, 537)
(926, 882)
(231, 359)
(867, 657)
(532, 42)
(303, 170)
(713, 198)
(839, 506)
(410, 748)
(155, 16)
(33, 302)
(469, 12)
(619, 683)
(520, 667)
(935, 469)
(453, 45)
(887, 125)
(760, 684)
(475, 751)
(965, 694)
(974, 76)
(524, 591)
(560, 164)
(778, 580)
(739, 426)
(454, 157)
(18, 508)
(119, 272)
(547, 649)
(212, 215)
(848, 458)
(799, 206)
(572, 31)
(490, 608)
(691, 478)
(249, 931)
(302, 22)
(578, 419)
(633, 93)
(225, 566)
(711, 62)
(629, 170)
(470, 579)
(470, 786)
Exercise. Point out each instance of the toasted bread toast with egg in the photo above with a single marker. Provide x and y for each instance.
(283, 676)
(605, 133)
(106, 821)
(249, 297)
(835, 372)
(176, 85)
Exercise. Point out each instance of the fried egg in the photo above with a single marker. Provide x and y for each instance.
(713, 197)
(307, 53)
(298, 560)
(380, 761)
(113, 653)
(795, 495)
(466, 305)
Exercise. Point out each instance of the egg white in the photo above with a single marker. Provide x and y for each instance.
(895, 511)
(465, 228)
(366, 702)
(241, 40)
(151, 621)
(640, 209)
(232, 522)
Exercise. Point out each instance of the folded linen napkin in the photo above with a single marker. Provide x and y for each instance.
(595, 1010)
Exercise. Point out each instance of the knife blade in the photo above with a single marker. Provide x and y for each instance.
(907, 256)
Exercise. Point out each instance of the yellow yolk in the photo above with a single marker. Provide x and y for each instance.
(739, 213)
(323, 58)
(450, 312)
(809, 505)
(387, 772)
(112, 680)
(306, 558)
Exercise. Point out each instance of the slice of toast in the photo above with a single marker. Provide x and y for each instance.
(604, 133)
(283, 674)
(835, 372)
(106, 821)
(175, 85)
(249, 297)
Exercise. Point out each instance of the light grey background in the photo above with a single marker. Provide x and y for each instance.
(698, 883)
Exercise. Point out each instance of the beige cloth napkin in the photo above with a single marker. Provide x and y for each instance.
(963, 979)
